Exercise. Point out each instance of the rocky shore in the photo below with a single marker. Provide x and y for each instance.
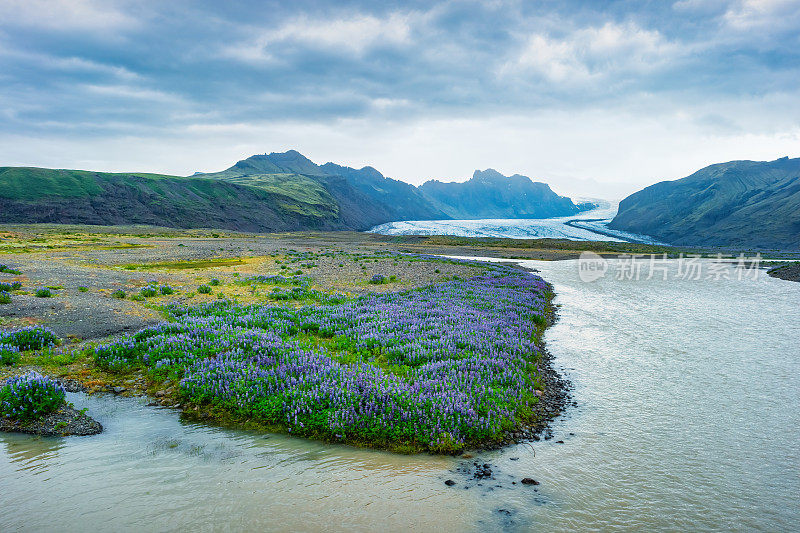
(788, 272)
(64, 422)
(553, 399)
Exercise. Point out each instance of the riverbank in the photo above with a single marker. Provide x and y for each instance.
(787, 272)
(64, 422)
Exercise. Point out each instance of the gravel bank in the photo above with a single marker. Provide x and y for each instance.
(789, 272)
(62, 423)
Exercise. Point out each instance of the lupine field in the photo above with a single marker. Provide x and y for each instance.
(438, 368)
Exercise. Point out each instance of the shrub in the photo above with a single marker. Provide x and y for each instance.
(5, 298)
(16, 285)
(166, 289)
(30, 338)
(30, 396)
(44, 293)
(8, 287)
(214, 282)
(119, 294)
(117, 357)
(83, 289)
(9, 355)
(377, 279)
(8, 270)
(148, 291)
(137, 298)
(204, 289)
(392, 278)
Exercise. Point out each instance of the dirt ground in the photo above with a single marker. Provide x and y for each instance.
(102, 261)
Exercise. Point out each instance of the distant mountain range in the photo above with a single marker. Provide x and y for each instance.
(275, 192)
(740, 203)
(489, 194)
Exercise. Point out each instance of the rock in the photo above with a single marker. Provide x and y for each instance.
(514, 459)
(482, 471)
(70, 385)
(449, 482)
(160, 394)
(529, 481)
(119, 390)
(559, 442)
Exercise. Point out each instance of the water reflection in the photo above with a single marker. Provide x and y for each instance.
(31, 453)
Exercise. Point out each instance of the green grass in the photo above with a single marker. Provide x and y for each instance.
(185, 265)
(307, 194)
(31, 183)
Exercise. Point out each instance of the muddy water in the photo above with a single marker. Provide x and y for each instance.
(688, 418)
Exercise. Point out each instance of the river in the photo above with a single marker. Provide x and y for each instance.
(687, 418)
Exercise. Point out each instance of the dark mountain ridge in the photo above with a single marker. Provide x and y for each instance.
(490, 194)
(738, 203)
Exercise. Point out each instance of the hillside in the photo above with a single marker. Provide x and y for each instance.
(739, 203)
(33, 195)
(490, 194)
(388, 199)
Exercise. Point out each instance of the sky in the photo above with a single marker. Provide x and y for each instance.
(596, 98)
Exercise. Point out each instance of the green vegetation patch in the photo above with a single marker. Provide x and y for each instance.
(30, 396)
(186, 265)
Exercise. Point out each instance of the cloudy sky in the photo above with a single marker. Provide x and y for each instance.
(593, 97)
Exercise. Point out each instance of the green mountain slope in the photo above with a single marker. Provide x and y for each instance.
(739, 203)
(366, 189)
(32, 195)
(490, 194)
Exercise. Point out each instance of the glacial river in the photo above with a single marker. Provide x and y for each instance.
(687, 418)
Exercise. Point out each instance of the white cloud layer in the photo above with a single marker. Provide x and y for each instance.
(593, 53)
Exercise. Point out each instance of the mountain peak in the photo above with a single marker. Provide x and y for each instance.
(289, 162)
(290, 155)
(488, 174)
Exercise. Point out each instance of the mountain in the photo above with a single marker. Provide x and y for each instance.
(388, 199)
(490, 194)
(738, 203)
(266, 192)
